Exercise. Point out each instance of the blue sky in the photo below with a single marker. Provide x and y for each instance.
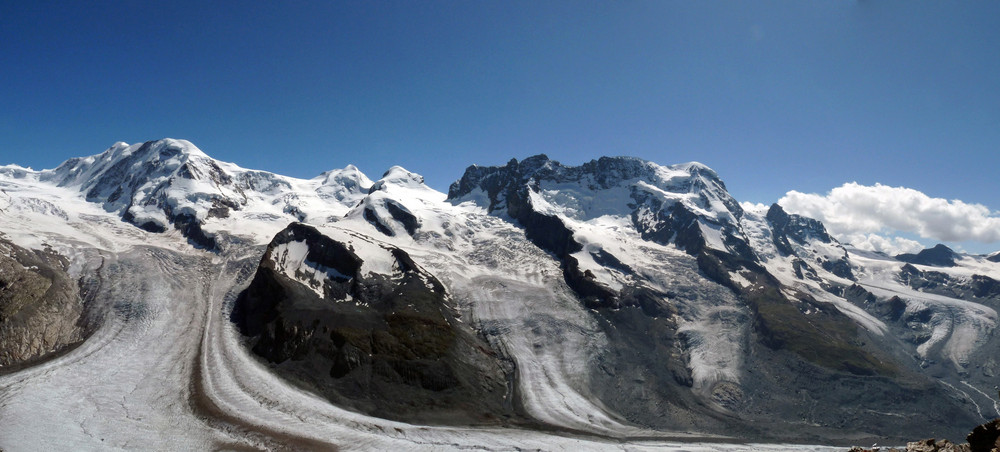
(775, 96)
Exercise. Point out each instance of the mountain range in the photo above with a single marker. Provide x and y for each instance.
(153, 297)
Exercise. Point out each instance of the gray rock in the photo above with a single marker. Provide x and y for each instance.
(40, 306)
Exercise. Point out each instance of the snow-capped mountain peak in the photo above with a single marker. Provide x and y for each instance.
(397, 203)
(163, 156)
(170, 184)
(344, 184)
(400, 177)
(349, 175)
(155, 184)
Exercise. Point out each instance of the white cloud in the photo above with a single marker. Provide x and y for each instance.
(885, 244)
(755, 207)
(867, 216)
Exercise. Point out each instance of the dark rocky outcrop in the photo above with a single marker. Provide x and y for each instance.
(190, 227)
(397, 214)
(786, 228)
(985, 287)
(985, 438)
(890, 309)
(386, 345)
(403, 216)
(675, 224)
(796, 227)
(938, 256)
(40, 306)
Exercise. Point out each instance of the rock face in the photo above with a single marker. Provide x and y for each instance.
(985, 438)
(787, 229)
(40, 306)
(386, 343)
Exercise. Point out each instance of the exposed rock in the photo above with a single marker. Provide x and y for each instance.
(985, 438)
(985, 287)
(674, 223)
(932, 445)
(40, 305)
(859, 295)
(787, 228)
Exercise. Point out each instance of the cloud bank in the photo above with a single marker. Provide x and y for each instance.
(868, 216)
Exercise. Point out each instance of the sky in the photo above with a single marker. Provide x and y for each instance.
(786, 100)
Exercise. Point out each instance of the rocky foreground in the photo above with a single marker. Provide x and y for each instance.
(985, 438)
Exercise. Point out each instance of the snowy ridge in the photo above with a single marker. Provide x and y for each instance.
(158, 185)
(394, 203)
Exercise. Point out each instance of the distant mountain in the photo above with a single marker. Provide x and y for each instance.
(938, 256)
(621, 298)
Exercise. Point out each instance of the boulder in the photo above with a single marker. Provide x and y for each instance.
(985, 438)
